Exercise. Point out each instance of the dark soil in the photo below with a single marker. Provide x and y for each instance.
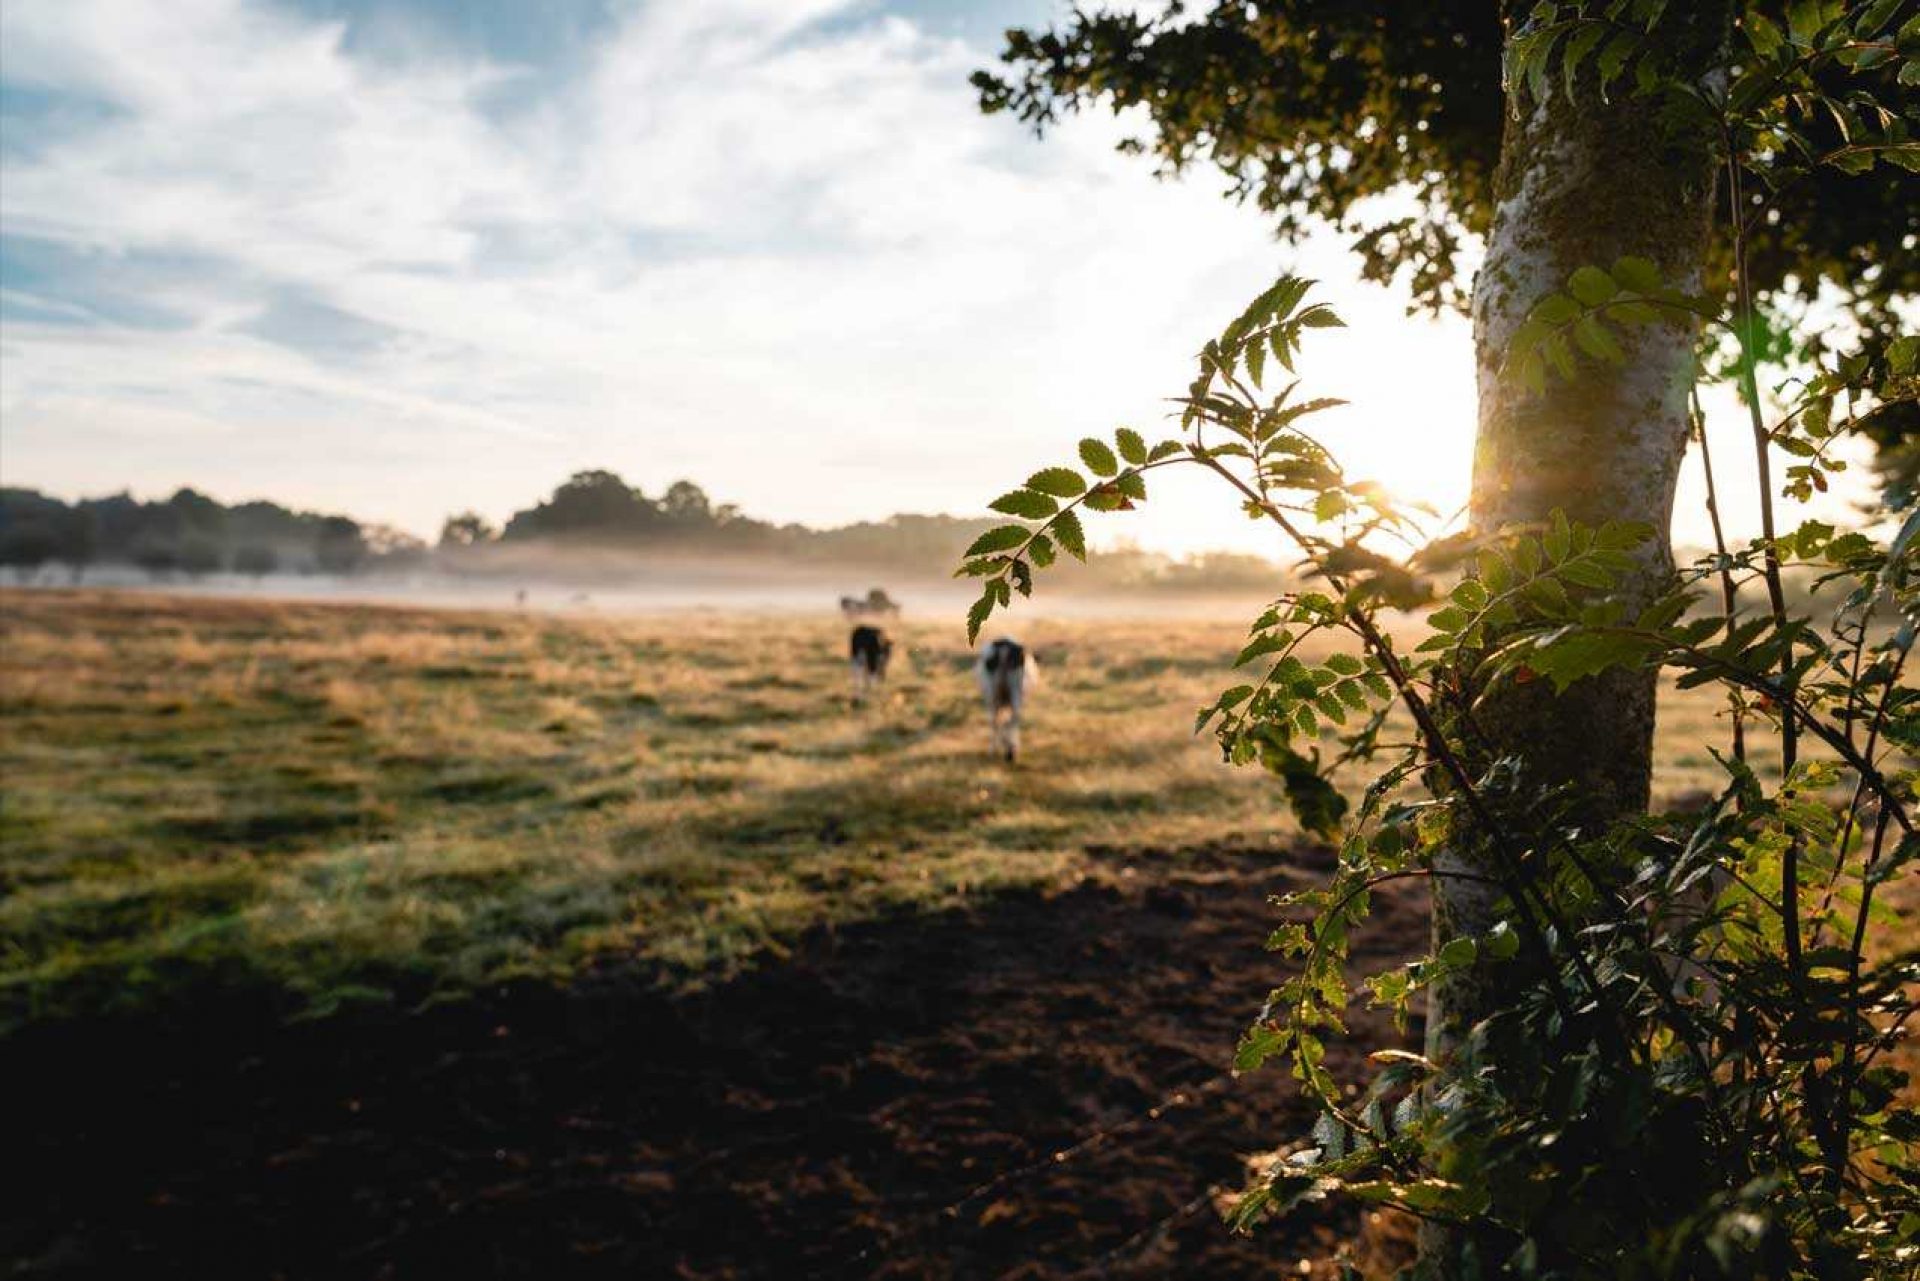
(886, 1101)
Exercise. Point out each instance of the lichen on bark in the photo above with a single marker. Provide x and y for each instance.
(1580, 182)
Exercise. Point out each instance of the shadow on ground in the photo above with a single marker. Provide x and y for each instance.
(884, 1102)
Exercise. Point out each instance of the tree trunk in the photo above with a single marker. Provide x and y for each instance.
(1582, 183)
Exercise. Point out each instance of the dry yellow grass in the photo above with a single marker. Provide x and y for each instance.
(346, 801)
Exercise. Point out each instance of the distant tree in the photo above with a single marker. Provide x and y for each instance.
(270, 523)
(27, 545)
(391, 548)
(197, 555)
(595, 504)
(339, 546)
(79, 541)
(118, 521)
(467, 529)
(158, 557)
(685, 503)
(198, 513)
(256, 560)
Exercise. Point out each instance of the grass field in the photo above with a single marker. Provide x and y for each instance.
(333, 803)
(904, 982)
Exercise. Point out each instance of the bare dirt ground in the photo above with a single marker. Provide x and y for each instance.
(887, 1100)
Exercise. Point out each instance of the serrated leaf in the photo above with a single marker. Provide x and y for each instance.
(1578, 46)
(977, 616)
(1256, 361)
(1132, 447)
(1558, 540)
(1098, 457)
(1068, 532)
(1266, 643)
(1594, 338)
(1025, 502)
(1041, 549)
(1060, 482)
(998, 539)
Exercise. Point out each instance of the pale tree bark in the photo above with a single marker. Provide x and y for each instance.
(1579, 184)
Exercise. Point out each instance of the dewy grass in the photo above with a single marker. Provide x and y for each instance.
(318, 803)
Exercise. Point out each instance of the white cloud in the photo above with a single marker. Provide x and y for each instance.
(781, 255)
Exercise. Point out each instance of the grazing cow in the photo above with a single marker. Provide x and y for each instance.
(869, 649)
(1002, 673)
(875, 604)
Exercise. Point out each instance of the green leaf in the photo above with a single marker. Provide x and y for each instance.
(1098, 458)
(1559, 355)
(1265, 643)
(1132, 447)
(1041, 549)
(1071, 536)
(978, 615)
(1638, 274)
(1558, 540)
(1061, 482)
(1586, 574)
(1548, 596)
(1594, 338)
(1578, 46)
(1613, 58)
(1762, 34)
(1133, 485)
(998, 539)
(1555, 309)
(1592, 286)
(1581, 654)
(1025, 502)
(1468, 595)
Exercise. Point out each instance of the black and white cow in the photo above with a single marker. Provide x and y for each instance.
(1002, 672)
(868, 650)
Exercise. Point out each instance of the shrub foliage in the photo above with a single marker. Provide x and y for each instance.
(1688, 1074)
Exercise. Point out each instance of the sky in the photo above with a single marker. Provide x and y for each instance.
(407, 257)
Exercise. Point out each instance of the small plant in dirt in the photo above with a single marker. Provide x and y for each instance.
(1681, 1058)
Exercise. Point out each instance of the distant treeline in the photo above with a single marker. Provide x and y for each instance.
(188, 533)
(593, 519)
